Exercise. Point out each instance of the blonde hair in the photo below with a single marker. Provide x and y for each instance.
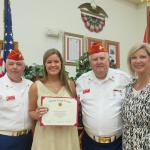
(134, 49)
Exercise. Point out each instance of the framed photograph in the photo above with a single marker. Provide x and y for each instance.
(90, 41)
(113, 49)
(73, 47)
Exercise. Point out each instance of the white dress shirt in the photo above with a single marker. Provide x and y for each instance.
(14, 114)
(101, 101)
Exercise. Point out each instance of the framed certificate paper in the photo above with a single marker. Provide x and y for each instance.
(73, 47)
(62, 111)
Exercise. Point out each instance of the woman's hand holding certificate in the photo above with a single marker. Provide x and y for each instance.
(62, 111)
(39, 112)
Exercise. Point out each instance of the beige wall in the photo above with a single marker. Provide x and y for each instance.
(31, 19)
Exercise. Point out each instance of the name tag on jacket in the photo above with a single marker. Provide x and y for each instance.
(86, 91)
(10, 98)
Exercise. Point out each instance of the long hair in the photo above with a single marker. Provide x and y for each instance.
(62, 75)
(134, 49)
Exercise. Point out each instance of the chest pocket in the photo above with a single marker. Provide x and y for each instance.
(86, 96)
(9, 101)
(118, 94)
(9, 104)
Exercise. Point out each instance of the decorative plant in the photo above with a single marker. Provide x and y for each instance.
(34, 72)
(82, 65)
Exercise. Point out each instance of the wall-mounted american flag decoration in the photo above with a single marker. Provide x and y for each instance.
(93, 17)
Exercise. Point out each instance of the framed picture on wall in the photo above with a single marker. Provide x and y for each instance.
(73, 47)
(90, 41)
(113, 49)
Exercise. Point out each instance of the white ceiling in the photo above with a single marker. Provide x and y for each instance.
(135, 1)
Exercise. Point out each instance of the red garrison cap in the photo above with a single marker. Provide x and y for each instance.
(96, 48)
(15, 54)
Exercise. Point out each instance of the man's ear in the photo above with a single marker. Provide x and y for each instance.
(24, 67)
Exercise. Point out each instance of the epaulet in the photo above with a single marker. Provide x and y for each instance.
(122, 73)
(84, 75)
